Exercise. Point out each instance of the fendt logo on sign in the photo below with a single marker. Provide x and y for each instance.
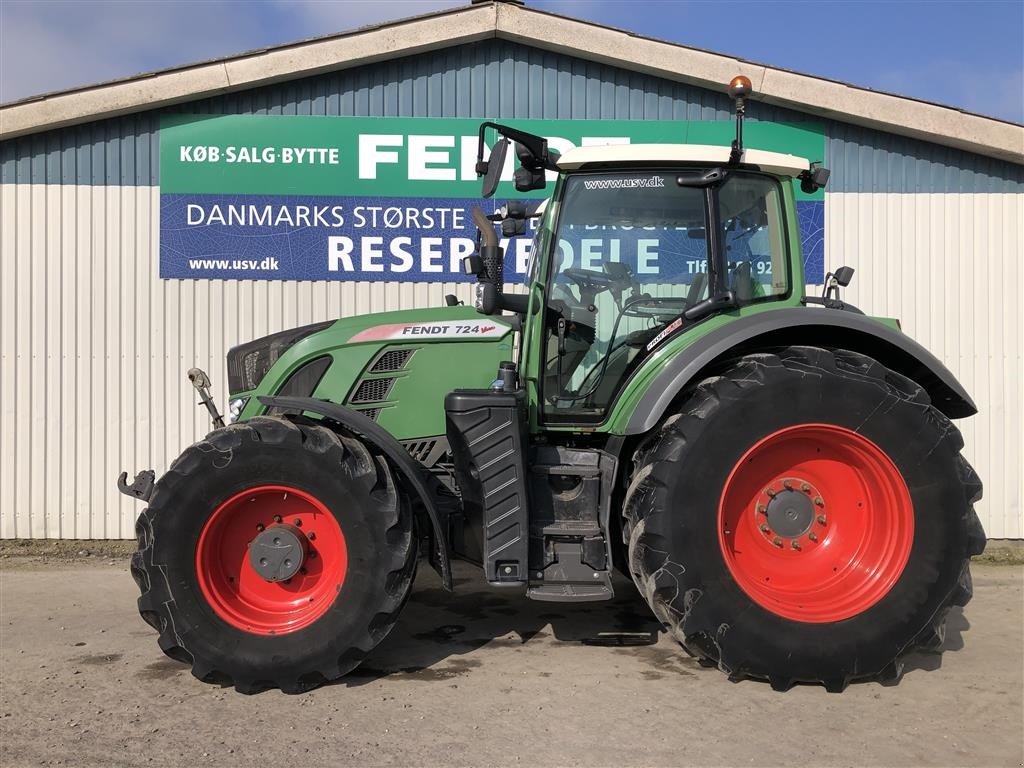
(364, 199)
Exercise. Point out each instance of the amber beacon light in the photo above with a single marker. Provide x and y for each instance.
(739, 89)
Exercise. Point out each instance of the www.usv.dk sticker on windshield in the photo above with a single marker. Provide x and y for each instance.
(661, 336)
(630, 183)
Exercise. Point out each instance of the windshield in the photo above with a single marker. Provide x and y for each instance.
(630, 254)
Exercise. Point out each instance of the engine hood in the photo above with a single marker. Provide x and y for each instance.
(423, 325)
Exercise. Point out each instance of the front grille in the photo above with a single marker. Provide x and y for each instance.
(392, 360)
(372, 391)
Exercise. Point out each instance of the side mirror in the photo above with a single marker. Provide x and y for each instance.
(495, 164)
(814, 179)
(834, 280)
(843, 276)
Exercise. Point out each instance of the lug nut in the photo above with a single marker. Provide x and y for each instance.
(311, 536)
(277, 518)
(819, 502)
(312, 554)
(770, 492)
(762, 509)
(812, 536)
(821, 519)
(298, 522)
(795, 544)
(260, 527)
(764, 528)
(787, 484)
(777, 542)
(805, 487)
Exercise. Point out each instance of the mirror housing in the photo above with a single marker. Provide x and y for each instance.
(814, 179)
(843, 276)
(494, 166)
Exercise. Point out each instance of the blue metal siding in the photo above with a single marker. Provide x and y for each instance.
(503, 80)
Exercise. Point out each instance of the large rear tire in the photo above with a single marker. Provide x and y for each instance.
(327, 515)
(805, 516)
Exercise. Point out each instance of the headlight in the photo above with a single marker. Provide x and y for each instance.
(249, 363)
(235, 408)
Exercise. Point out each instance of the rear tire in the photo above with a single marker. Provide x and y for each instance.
(759, 448)
(213, 609)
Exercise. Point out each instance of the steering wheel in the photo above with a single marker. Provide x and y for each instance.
(589, 280)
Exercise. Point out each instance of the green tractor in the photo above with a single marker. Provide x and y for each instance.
(777, 472)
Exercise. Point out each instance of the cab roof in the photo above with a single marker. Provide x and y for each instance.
(650, 154)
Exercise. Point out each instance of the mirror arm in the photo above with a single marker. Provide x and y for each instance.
(537, 146)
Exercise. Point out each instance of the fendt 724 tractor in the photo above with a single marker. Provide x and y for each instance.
(777, 472)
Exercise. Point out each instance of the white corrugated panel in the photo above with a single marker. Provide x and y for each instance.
(95, 346)
(949, 267)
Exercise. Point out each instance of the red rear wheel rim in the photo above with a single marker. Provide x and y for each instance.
(233, 588)
(851, 551)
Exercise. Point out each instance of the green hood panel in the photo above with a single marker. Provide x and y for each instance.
(451, 348)
(422, 325)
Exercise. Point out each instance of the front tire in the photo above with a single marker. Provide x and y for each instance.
(806, 516)
(274, 555)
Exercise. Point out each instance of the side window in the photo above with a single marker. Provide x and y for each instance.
(750, 208)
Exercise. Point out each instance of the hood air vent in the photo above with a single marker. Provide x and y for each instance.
(372, 390)
(391, 360)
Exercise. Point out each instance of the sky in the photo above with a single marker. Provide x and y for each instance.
(965, 54)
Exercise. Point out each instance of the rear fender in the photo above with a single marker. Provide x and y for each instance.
(409, 473)
(832, 329)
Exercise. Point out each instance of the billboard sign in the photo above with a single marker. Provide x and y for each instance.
(268, 197)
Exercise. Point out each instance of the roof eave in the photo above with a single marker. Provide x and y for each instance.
(249, 70)
(803, 93)
(585, 40)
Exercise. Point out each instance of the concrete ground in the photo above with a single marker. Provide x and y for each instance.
(484, 677)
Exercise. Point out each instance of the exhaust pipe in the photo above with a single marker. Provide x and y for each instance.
(491, 277)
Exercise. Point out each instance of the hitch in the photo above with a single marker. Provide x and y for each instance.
(201, 382)
(142, 486)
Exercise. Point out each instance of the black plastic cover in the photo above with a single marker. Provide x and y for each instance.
(487, 435)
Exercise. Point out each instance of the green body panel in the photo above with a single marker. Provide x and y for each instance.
(638, 384)
(414, 407)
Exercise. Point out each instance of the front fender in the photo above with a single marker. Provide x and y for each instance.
(800, 326)
(410, 473)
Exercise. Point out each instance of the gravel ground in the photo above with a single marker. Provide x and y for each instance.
(483, 677)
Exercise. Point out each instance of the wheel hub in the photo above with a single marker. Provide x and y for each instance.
(278, 552)
(790, 514)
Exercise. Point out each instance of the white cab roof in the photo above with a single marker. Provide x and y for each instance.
(770, 162)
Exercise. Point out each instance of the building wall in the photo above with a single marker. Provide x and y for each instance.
(95, 345)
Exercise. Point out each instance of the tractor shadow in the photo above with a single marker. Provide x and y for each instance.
(438, 632)
(931, 660)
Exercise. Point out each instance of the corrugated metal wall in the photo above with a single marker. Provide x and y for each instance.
(94, 345)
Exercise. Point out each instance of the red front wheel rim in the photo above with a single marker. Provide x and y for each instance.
(816, 523)
(233, 588)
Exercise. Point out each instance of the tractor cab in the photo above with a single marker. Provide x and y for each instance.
(636, 244)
